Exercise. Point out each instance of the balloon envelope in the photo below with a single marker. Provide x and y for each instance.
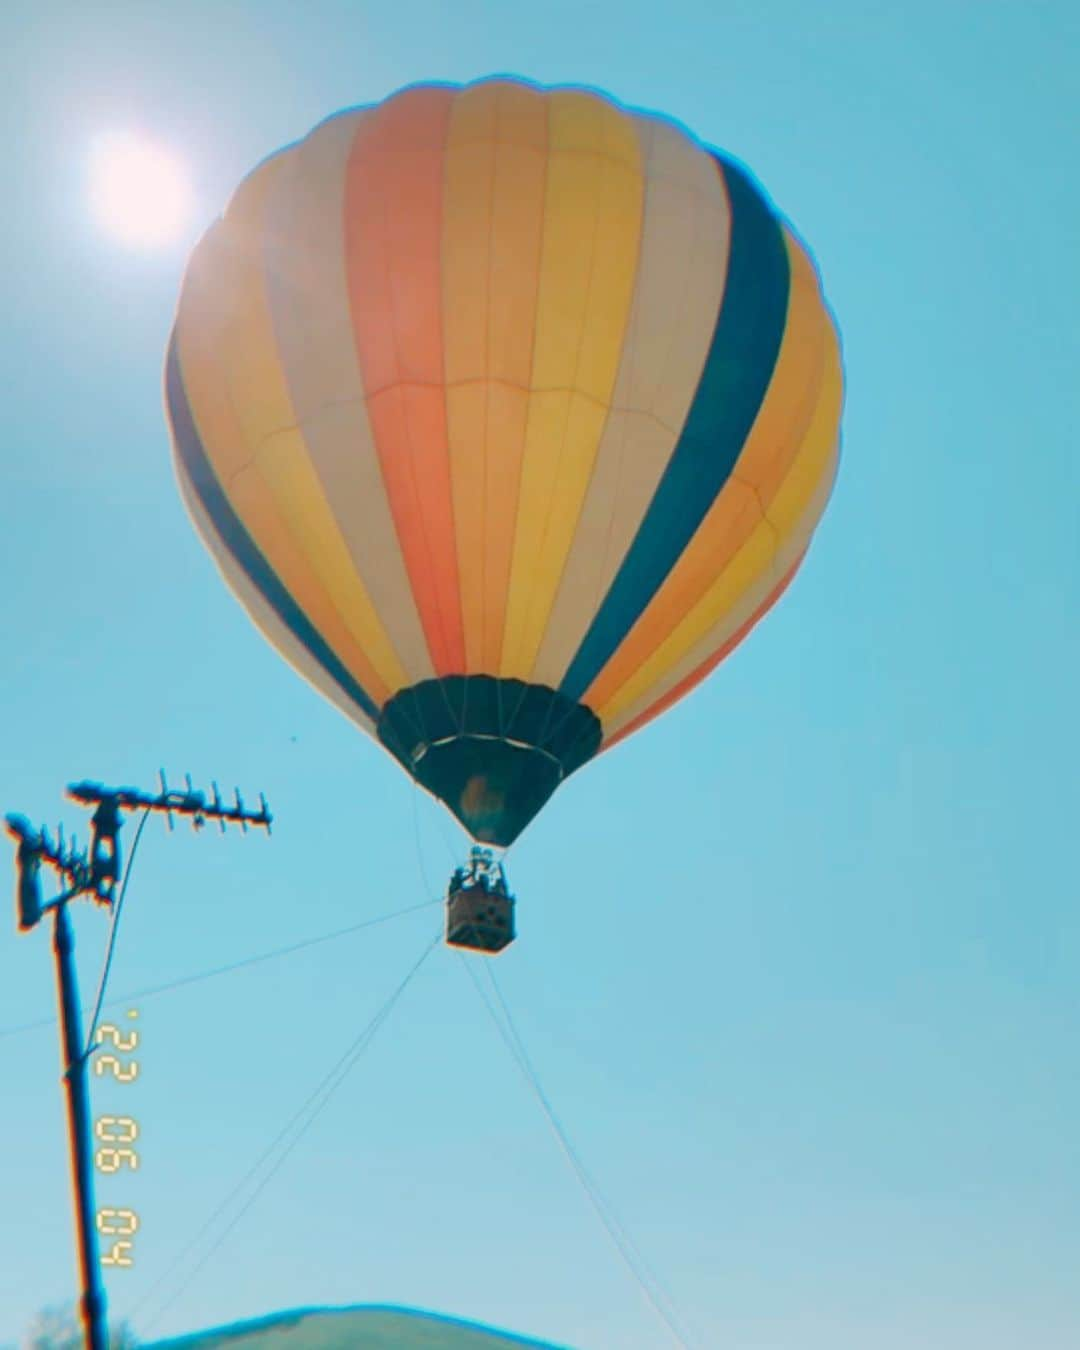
(506, 412)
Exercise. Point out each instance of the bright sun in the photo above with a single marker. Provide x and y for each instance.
(139, 190)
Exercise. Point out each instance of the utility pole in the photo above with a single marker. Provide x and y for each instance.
(94, 874)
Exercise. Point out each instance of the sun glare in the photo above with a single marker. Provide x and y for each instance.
(139, 190)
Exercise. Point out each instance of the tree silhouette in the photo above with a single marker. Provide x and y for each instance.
(59, 1328)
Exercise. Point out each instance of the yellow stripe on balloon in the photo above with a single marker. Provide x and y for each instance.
(277, 633)
(285, 465)
(273, 488)
(729, 625)
(755, 561)
(594, 174)
(493, 215)
(257, 508)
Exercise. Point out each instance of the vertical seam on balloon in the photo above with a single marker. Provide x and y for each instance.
(501, 712)
(484, 501)
(531, 601)
(439, 299)
(575, 393)
(398, 391)
(400, 700)
(484, 617)
(392, 391)
(517, 706)
(419, 706)
(503, 655)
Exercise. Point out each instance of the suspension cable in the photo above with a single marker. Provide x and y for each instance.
(299, 1125)
(627, 1248)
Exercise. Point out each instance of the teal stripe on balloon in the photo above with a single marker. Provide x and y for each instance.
(736, 375)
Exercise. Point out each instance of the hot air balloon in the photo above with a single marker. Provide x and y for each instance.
(506, 412)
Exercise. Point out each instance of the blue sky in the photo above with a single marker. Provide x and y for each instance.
(798, 964)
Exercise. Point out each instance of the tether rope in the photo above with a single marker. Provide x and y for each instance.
(625, 1245)
(312, 1107)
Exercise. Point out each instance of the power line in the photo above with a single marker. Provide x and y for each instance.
(624, 1243)
(311, 1107)
(152, 991)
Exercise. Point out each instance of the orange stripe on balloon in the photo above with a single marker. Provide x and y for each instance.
(493, 217)
(709, 665)
(393, 244)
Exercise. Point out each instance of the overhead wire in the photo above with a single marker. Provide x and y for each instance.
(646, 1279)
(312, 1106)
(321, 1095)
(152, 991)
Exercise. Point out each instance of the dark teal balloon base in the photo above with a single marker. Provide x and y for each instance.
(493, 750)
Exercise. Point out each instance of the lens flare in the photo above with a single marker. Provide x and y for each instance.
(139, 190)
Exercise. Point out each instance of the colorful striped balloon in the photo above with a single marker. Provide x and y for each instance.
(506, 412)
